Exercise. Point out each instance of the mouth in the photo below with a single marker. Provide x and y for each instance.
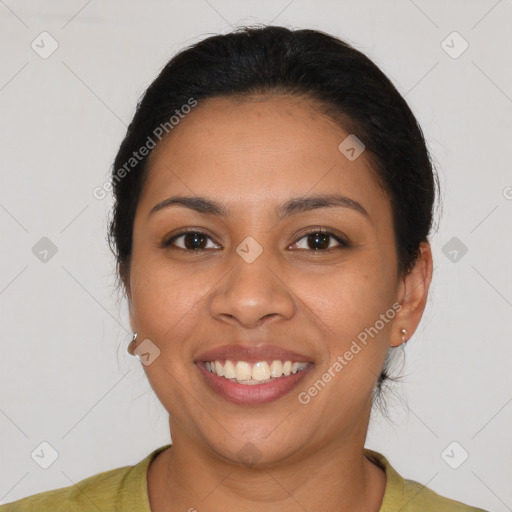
(251, 375)
(256, 373)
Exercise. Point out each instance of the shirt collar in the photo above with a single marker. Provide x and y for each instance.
(134, 490)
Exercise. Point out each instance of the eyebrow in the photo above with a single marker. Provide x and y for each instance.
(291, 207)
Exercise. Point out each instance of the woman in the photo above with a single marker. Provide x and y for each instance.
(273, 202)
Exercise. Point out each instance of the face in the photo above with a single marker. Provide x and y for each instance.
(269, 273)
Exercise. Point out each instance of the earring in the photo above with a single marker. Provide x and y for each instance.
(403, 332)
(129, 349)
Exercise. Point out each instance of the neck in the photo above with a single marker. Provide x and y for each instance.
(334, 477)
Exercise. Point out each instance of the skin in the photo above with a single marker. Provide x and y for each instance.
(252, 155)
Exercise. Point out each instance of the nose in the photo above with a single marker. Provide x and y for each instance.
(251, 292)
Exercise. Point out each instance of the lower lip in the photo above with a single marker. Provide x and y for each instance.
(252, 394)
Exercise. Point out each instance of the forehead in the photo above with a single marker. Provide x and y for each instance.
(268, 148)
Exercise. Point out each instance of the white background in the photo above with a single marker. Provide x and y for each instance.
(65, 377)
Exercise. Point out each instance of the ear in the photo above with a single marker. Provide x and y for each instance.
(131, 316)
(124, 276)
(412, 295)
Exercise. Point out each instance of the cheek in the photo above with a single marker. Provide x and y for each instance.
(356, 303)
(351, 297)
(166, 307)
(166, 298)
(341, 299)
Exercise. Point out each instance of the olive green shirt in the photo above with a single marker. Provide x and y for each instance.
(125, 489)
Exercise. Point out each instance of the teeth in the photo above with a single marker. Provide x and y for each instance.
(258, 372)
(219, 369)
(242, 370)
(276, 369)
(229, 370)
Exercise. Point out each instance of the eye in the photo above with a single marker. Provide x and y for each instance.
(194, 240)
(191, 240)
(319, 240)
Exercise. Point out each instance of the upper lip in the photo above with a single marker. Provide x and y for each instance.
(251, 354)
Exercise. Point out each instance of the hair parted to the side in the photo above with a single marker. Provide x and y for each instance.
(346, 85)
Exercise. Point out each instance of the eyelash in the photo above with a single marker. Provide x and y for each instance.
(342, 243)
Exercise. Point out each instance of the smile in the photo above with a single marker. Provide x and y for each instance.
(244, 388)
(259, 372)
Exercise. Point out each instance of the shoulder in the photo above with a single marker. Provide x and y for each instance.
(98, 492)
(107, 491)
(419, 499)
(411, 496)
